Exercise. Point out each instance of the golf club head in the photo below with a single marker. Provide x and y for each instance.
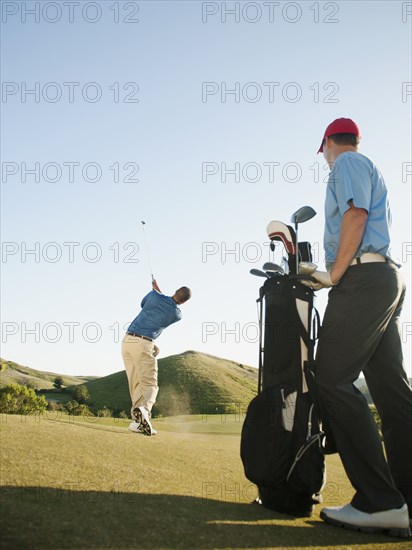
(278, 231)
(258, 273)
(304, 214)
(270, 267)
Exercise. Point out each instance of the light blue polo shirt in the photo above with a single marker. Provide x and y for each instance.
(158, 312)
(355, 177)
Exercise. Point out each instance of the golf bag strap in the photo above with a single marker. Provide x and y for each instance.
(260, 371)
(317, 317)
(320, 411)
(305, 333)
(308, 373)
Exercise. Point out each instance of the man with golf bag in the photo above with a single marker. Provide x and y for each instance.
(139, 350)
(360, 333)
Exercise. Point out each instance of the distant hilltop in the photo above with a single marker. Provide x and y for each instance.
(13, 373)
(190, 383)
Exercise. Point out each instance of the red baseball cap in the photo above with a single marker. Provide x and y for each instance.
(340, 126)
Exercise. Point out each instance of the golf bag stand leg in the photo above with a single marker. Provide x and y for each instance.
(261, 350)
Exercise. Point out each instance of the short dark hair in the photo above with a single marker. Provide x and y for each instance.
(345, 139)
(183, 294)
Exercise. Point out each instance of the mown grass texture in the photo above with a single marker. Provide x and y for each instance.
(78, 483)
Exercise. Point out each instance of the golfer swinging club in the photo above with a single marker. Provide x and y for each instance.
(139, 351)
(360, 333)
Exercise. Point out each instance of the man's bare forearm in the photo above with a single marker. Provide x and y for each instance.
(351, 233)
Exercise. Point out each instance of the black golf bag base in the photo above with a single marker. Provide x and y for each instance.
(285, 501)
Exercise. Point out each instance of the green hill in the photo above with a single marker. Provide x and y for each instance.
(13, 373)
(190, 383)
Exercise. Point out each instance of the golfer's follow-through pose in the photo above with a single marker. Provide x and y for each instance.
(139, 351)
(360, 333)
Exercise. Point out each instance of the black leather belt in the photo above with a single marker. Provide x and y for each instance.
(140, 336)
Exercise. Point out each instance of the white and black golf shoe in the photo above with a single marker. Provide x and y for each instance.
(394, 522)
(135, 427)
(141, 416)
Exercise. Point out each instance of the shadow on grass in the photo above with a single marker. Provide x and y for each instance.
(40, 517)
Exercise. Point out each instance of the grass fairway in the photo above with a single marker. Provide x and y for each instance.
(70, 483)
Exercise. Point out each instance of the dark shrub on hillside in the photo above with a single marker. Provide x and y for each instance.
(15, 399)
(77, 409)
(58, 382)
(80, 394)
(104, 413)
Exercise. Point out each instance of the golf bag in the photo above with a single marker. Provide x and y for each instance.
(282, 445)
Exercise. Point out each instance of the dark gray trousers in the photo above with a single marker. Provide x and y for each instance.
(361, 333)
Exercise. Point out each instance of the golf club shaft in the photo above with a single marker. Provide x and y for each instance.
(147, 250)
(297, 249)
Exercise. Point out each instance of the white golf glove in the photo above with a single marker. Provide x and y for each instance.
(323, 277)
(307, 268)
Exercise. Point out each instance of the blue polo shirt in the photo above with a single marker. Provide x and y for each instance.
(158, 312)
(355, 177)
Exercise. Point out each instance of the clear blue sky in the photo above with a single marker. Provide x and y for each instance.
(138, 110)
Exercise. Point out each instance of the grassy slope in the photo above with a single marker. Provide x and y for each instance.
(189, 383)
(72, 484)
(15, 373)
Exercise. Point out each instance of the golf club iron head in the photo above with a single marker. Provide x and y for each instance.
(271, 267)
(258, 273)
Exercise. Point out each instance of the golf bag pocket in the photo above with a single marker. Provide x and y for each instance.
(282, 450)
(288, 411)
(307, 474)
(266, 437)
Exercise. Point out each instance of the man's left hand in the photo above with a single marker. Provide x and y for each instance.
(155, 286)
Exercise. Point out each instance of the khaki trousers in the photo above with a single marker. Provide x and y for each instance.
(140, 362)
